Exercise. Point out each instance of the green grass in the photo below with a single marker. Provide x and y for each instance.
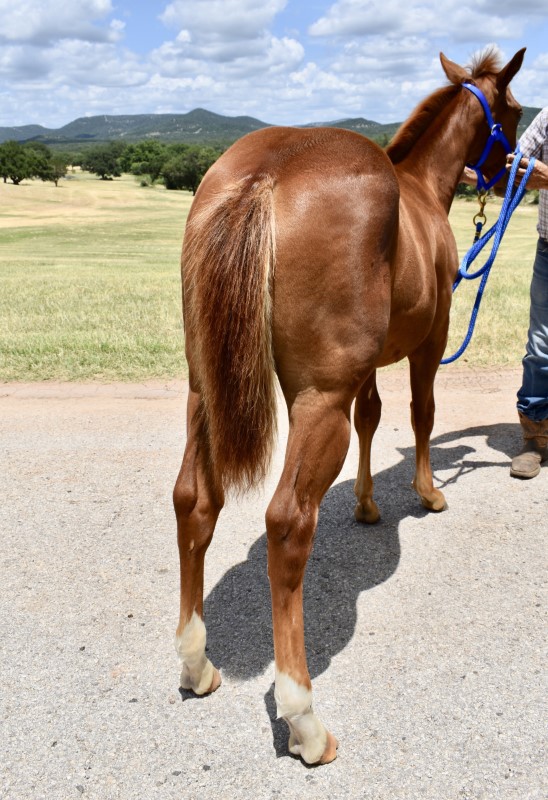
(93, 292)
(90, 285)
(501, 327)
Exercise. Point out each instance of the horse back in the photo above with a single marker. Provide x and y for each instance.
(298, 155)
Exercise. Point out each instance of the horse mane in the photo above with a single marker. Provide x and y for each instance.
(485, 63)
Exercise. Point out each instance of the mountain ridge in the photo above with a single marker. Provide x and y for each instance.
(199, 126)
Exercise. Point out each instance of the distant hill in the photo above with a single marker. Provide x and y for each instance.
(364, 126)
(198, 126)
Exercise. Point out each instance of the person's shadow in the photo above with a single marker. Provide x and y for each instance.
(348, 558)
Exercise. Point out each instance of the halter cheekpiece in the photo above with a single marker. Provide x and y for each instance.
(496, 135)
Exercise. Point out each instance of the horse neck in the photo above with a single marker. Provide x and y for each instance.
(438, 157)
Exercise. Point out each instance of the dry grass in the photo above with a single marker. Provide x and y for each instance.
(90, 276)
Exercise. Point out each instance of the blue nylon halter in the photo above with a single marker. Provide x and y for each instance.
(496, 135)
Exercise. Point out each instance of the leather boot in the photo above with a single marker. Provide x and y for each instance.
(535, 448)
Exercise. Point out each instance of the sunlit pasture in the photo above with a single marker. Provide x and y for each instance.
(90, 282)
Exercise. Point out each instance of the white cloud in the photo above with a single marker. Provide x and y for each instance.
(72, 62)
(228, 32)
(429, 18)
(356, 18)
(223, 19)
(378, 57)
(266, 55)
(22, 63)
(228, 40)
(51, 20)
(511, 8)
(101, 65)
(531, 82)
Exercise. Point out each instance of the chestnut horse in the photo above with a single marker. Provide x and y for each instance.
(316, 256)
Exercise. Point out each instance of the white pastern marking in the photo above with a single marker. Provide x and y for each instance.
(197, 670)
(308, 737)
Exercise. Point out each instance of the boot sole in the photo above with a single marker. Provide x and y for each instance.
(525, 475)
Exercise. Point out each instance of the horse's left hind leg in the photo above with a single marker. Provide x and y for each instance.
(423, 367)
(197, 505)
(367, 414)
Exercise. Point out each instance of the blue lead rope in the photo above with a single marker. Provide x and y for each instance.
(512, 198)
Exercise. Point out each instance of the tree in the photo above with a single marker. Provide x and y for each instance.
(145, 158)
(59, 166)
(464, 190)
(30, 160)
(177, 175)
(103, 160)
(15, 162)
(41, 161)
(73, 158)
(186, 169)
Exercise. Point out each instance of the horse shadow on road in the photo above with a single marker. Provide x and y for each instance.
(348, 558)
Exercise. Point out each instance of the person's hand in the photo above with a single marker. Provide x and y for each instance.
(469, 177)
(538, 178)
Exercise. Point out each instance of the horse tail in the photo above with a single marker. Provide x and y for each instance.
(228, 263)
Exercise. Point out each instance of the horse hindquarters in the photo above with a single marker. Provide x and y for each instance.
(335, 226)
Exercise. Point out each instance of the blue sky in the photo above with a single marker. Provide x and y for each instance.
(283, 61)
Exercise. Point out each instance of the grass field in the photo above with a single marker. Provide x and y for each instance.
(501, 327)
(90, 280)
(91, 288)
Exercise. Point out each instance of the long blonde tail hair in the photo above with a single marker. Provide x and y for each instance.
(228, 264)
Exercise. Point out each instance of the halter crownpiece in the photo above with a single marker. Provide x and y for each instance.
(496, 135)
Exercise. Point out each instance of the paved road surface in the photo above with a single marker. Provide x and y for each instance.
(425, 632)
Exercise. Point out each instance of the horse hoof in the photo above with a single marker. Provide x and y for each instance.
(369, 514)
(187, 684)
(330, 752)
(216, 681)
(307, 750)
(434, 503)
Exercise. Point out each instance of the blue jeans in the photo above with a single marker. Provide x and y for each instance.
(533, 395)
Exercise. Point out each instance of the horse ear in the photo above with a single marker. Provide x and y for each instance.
(507, 73)
(455, 73)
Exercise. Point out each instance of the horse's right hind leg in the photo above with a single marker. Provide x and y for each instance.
(197, 505)
(367, 414)
(318, 440)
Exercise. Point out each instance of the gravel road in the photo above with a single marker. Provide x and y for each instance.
(425, 632)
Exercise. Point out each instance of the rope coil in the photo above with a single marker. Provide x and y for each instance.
(512, 198)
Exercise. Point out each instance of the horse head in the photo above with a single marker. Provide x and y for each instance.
(497, 113)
